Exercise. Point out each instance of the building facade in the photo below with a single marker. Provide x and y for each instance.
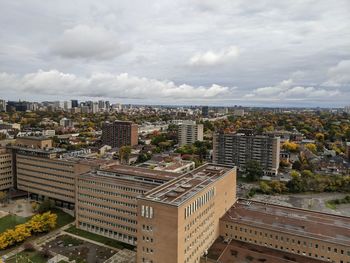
(314, 235)
(106, 199)
(178, 221)
(189, 132)
(6, 178)
(120, 133)
(238, 149)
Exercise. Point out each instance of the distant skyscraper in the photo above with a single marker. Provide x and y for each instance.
(120, 133)
(238, 149)
(75, 104)
(205, 111)
(2, 105)
(95, 107)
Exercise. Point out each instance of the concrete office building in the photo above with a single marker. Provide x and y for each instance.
(120, 133)
(6, 178)
(179, 220)
(238, 148)
(317, 236)
(37, 169)
(106, 201)
(189, 132)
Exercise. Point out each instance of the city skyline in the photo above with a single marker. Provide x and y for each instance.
(179, 53)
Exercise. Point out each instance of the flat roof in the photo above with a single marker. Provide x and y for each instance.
(294, 221)
(35, 138)
(234, 251)
(142, 185)
(36, 150)
(187, 185)
(142, 172)
(139, 177)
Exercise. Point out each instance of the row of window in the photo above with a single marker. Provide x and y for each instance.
(70, 178)
(147, 211)
(199, 202)
(107, 215)
(107, 232)
(113, 225)
(43, 186)
(107, 193)
(20, 162)
(34, 189)
(105, 200)
(115, 186)
(113, 209)
(46, 179)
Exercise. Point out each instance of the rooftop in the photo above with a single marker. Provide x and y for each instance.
(35, 138)
(322, 226)
(239, 252)
(134, 173)
(35, 150)
(187, 185)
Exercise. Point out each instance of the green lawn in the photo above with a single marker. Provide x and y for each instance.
(23, 257)
(104, 240)
(62, 218)
(10, 221)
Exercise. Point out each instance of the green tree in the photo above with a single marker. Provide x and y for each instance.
(46, 205)
(124, 154)
(253, 170)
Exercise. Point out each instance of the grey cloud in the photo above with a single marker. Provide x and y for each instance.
(108, 85)
(83, 41)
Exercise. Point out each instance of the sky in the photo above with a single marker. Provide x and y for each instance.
(194, 52)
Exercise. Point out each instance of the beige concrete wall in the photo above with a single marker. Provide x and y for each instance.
(6, 175)
(181, 239)
(292, 243)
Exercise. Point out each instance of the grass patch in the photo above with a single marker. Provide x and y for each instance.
(104, 240)
(10, 221)
(330, 205)
(23, 257)
(62, 218)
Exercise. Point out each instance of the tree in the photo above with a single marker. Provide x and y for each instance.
(124, 154)
(46, 205)
(290, 146)
(3, 196)
(311, 147)
(253, 170)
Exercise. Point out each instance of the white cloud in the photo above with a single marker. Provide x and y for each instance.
(83, 41)
(107, 85)
(339, 75)
(288, 90)
(212, 58)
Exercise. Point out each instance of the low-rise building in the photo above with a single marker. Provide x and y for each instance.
(288, 230)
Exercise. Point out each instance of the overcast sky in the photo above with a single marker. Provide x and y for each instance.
(214, 52)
